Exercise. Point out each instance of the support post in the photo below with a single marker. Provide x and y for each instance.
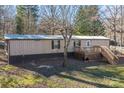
(8, 45)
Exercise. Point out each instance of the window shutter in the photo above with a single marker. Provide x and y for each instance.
(58, 44)
(74, 43)
(79, 42)
(88, 43)
(52, 44)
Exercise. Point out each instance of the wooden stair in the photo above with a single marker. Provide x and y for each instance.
(108, 54)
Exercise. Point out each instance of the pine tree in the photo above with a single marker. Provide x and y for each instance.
(20, 19)
(87, 21)
(26, 19)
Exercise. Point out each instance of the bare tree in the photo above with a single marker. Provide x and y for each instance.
(48, 14)
(63, 22)
(110, 18)
(67, 17)
(113, 19)
(121, 24)
(7, 16)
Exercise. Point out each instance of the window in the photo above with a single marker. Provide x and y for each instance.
(88, 43)
(77, 43)
(55, 44)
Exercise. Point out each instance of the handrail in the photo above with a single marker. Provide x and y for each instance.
(104, 50)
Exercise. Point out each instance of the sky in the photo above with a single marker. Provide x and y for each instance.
(61, 2)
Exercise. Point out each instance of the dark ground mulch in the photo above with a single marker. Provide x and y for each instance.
(53, 66)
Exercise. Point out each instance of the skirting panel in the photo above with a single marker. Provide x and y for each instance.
(28, 58)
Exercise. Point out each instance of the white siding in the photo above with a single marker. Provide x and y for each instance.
(28, 47)
(71, 46)
(95, 43)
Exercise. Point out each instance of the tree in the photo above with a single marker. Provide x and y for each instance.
(7, 15)
(26, 19)
(32, 18)
(87, 21)
(121, 23)
(67, 18)
(19, 25)
(48, 22)
(64, 24)
(110, 17)
(1, 19)
(97, 28)
(20, 19)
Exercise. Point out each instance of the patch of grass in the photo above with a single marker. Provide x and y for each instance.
(29, 80)
(16, 81)
(26, 79)
(92, 76)
(112, 75)
(7, 68)
(10, 81)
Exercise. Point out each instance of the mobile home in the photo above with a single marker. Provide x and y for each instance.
(41, 46)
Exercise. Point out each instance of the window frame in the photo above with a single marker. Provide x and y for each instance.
(77, 43)
(88, 43)
(55, 44)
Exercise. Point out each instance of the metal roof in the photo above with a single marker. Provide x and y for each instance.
(49, 37)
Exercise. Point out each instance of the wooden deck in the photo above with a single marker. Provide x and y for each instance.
(97, 53)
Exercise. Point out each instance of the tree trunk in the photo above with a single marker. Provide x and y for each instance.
(121, 38)
(3, 28)
(65, 53)
(115, 36)
(28, 15)
(121, 25)
(65, 57)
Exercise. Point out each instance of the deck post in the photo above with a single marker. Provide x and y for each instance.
(8, 46)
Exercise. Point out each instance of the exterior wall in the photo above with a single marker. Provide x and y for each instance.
(71, 46)
(26, 47)
(95, 43)
(101, 42)
(30, 47)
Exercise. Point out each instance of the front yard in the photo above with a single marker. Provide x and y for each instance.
(51, 74)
